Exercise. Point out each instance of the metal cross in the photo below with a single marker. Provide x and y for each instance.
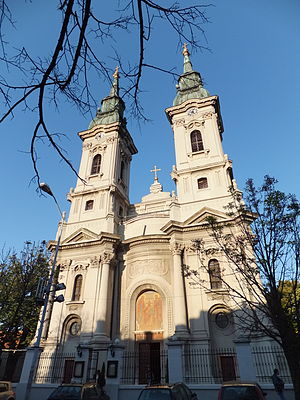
(155, 170)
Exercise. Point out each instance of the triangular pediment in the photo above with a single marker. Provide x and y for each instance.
(81, 235)
(204, 213)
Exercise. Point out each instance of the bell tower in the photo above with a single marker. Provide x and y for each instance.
(100, 198)
(203, 173)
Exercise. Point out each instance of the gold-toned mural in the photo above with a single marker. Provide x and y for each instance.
(149, 311)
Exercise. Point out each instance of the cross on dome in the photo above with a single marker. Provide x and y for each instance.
(155, 170)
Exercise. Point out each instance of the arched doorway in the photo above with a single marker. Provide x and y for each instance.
(148, 335)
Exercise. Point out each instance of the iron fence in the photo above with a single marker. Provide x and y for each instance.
(144, 367)
(55, 367)
(208, 365)
(11, 364)
(266, 359)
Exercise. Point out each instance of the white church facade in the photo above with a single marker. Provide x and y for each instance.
(128, 302)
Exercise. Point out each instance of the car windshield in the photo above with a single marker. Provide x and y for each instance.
(239, 393)
(66, 392)
(155, 394)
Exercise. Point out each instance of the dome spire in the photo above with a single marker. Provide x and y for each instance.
(187, 65)
(114, 91)
(190, 84)
(112, 106)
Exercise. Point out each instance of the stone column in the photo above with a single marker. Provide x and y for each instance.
(179, 303)
(103, 295)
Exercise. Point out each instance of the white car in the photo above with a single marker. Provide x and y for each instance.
(6, 391)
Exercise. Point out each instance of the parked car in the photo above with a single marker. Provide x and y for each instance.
(6, 391)
(177, 391)
(241, 391)
(77, 391)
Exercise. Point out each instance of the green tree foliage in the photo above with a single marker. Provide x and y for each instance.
(19, 278)
(290, 300)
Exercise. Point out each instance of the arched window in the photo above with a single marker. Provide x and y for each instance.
(196, 141)
(214, 274)
(202, 183)
(89, 205)
(77, 288)
(96, 164)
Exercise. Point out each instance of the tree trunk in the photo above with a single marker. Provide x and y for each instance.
(292, 355)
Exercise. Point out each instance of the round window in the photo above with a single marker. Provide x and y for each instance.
(222, 320)
(75, 328)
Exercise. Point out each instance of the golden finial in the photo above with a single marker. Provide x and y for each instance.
(185, 51)
(116, 73)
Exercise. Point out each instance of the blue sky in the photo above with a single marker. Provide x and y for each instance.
(253, 66)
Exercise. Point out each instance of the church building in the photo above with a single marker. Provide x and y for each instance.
(123, 264)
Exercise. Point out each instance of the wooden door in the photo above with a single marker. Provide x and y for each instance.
(68, 371)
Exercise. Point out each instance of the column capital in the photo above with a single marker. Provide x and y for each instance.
(176, 247)
(106, 257)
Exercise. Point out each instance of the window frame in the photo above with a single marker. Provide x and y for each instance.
(77, 289)
(196, 140)
(203, 179)
(96, 164)
(89, 205)
(214, 272)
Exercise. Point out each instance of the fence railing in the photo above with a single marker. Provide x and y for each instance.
(55, 368)
(209, 365)
(144, 368)
(201, 365)
(266, 359)
(11, 364)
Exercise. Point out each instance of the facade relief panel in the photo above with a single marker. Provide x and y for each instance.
(151, 266)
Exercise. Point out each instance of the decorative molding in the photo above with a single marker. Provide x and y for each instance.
(81, 267)
(191, 247)
(95, 261)
(194, 124)
(65, 265)
(98, 149)
(179, 122)
(150, 266)
(106, 257)
(208, 115)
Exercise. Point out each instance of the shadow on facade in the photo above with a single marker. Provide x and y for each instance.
(209, 356)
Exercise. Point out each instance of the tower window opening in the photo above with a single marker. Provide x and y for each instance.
(230, 175)
(196, 141)
(122, 171)
(214, 274)
(202, 183)
(89, 205)
(96, 164)
(77, 288)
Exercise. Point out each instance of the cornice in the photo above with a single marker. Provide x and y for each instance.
(199, 168)
(200, 103)
(103, 238)
(146, 239)
(110, 128)
(183, 107)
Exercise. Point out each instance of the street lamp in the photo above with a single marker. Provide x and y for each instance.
(49, 294)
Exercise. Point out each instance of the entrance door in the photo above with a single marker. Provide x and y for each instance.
(149, 363)
(68, 371)
(228, 368)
